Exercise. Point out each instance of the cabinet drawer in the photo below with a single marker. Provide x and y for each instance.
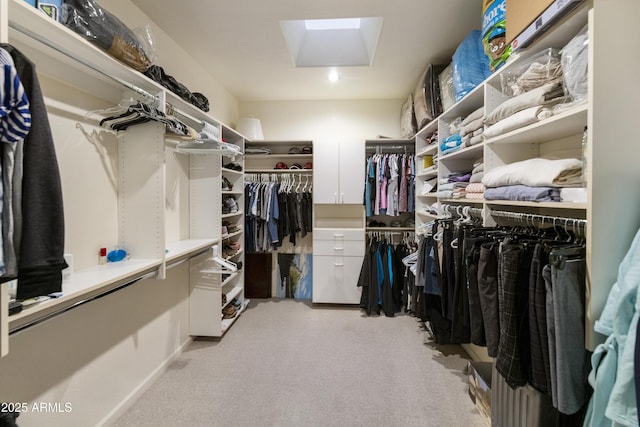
(336, 234)
(338, 247)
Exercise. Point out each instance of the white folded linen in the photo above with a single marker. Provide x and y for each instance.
(544, 95)
(573, 195)
(515, 121)
(536, 172)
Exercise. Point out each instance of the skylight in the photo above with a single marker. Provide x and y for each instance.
(332, 24)
(332, 42)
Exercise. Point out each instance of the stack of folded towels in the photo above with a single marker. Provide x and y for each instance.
(472, 128)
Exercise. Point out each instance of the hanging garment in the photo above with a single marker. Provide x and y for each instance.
(40, 225)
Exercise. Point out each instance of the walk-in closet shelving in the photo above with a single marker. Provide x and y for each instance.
(286, 152)
(611, 217)
(144, 185)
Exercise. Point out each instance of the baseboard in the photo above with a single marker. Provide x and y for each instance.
(128, 401)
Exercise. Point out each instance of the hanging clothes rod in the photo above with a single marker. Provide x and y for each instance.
(553, 220)
(69, 54)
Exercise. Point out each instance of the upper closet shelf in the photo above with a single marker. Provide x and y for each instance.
(565, 123)
(70, 58)
(429, 150)
(472, 152)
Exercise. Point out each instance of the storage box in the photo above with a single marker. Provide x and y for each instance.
(33, 3)
(52, 8)
(522, 13)
(480, 388)
(528, 20)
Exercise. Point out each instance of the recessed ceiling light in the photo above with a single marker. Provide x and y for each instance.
(332, 42)
(334, 76)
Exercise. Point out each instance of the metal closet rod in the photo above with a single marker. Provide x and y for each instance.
(69, 54)
(542, 218)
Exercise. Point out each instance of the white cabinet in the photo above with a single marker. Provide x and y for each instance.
(337, 259)
(338, 176)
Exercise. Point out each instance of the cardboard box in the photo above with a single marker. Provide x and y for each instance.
(520, 14)
(480, 388)
(523, 29)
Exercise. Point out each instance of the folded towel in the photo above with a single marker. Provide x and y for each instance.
(475, 188)
(515, 121)
(472, 127)
(476, 177)
(523, 193)
(544, 95)
(479, 113)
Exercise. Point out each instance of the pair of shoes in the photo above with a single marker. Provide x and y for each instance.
(229, 312)
(234, 246)
(231, 228)
(224, 232)
(224, 299)
(233, 166)
(237, 304)
(226, 185)
(229, 205)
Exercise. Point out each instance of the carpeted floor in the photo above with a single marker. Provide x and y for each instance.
(291, 363)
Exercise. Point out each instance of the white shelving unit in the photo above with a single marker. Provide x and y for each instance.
(152, 233)
(612, 216)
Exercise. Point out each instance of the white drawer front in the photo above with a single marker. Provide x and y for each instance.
(338, 247)
(338, 234)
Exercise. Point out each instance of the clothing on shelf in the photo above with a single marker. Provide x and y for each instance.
(389, 184)
(276, 210)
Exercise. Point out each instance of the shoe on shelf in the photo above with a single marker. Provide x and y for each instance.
(226, 185)
(224, 231)
(224, 299)
(229, 312)
(230, 204)
(233, 166)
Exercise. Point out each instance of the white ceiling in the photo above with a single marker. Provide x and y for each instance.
(241, 43)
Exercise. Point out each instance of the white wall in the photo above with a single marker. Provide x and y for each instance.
(98, 355)
(361, 119)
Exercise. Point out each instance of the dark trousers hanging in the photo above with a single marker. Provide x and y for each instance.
(513, 357)
(488, 295)
(471, 250)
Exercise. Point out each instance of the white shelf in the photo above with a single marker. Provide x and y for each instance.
(463, 200)
(183, 248)
(227, 281)
(430, 150)
(86, 284)
(232, 294)
(472, 152)
(230, 215)
(566, 123)
(279, 171)
(279, 156)
(232, 171)
(554, 205)
(231, 235)
(429, 172)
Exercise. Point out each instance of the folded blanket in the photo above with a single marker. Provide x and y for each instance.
(452, 185)
(476, 196)
(479, 113)
(475, 140)
(475, 188)
(476, 177)
(444, 194)
(520, 119)
(451, 141)
(536, 172)
(478, 168)
(544, 95)
(573, 195)
(523, 193)
(472, 127)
